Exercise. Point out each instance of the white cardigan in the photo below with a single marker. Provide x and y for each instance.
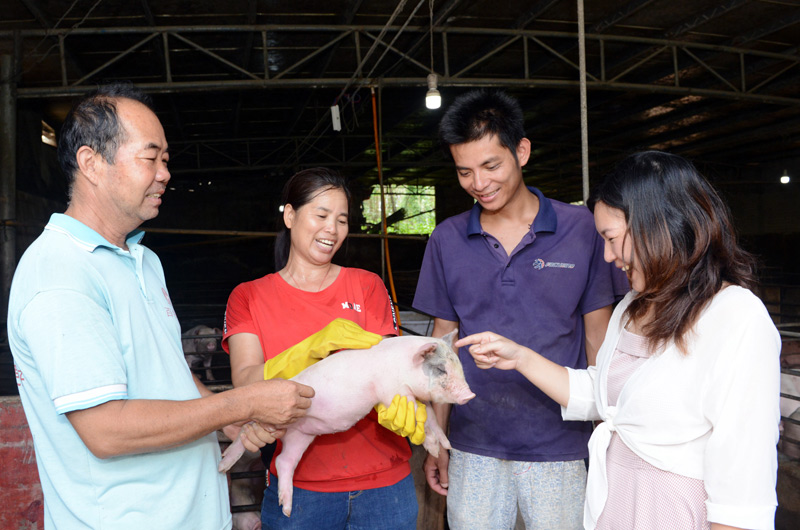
(712, 415)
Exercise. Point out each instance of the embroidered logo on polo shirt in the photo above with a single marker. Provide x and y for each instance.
(170, 312)
(540, 264)
(350, 305)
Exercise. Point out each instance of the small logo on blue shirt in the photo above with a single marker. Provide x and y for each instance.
(540, 264)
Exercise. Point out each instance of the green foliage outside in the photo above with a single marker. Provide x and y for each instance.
(409, 210)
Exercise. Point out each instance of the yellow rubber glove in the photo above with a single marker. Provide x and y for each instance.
(338, 335)
(403, 418)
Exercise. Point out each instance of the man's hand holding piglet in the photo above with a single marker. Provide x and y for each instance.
(278, 402)
(254, 435)
(274, 404)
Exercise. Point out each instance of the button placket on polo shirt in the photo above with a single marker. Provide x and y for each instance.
(135, 256)
(508, 276)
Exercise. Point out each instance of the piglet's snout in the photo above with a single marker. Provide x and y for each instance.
(459, 391)
(464, 395)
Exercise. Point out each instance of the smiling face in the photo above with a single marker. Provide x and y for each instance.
(611, 225)
(488, 171)
(132, 186)
(319, 227)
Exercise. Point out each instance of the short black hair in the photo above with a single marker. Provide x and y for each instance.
(93, 121)
(479, 113)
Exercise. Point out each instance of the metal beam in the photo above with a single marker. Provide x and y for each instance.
(726, 85)
(702, 55)
(749, 135)
(347, 29)
(501, 41)
(621, 14)
(161, 48)
(759, 33)
(617, 17)
(302, 104)
(695, 21)
(583, 105)
(440, 21)
(682, 28)
(8, 176)
(199, 86)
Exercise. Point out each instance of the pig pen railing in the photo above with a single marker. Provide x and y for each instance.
(783, 303)
(413, 322)
(789, 444)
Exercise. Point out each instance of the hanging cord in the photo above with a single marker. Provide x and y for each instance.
(430, 7)
(383, 211)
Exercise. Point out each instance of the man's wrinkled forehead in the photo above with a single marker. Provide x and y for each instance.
(140, 124)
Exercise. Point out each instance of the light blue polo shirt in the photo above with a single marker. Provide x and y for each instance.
(89, 322)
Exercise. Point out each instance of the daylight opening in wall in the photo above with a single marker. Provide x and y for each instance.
(48, 135)
(409, 210)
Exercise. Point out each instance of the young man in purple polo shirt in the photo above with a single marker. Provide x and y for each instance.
(531, 269)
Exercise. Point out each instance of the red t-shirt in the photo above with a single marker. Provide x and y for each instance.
(367, 455)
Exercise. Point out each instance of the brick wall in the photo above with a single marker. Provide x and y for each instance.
(20, 491)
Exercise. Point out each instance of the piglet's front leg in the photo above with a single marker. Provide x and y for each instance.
(295, 444)
(434, 436)
(231, 455)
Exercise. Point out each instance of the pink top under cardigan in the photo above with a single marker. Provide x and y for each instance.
(641, 496)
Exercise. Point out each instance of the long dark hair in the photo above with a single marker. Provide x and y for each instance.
(299, 190)
(683, 240)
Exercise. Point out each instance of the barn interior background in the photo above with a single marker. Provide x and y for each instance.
(245, 90)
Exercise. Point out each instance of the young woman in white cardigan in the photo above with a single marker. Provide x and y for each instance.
(687, 381)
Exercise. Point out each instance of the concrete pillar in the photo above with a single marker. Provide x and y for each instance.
(8, 177)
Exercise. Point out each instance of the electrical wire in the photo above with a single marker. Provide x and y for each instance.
(383, 211)
(430, 8)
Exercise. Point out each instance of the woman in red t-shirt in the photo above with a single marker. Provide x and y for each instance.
(360, 477)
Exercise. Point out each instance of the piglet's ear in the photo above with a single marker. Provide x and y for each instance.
(425, 351)
(451, 338)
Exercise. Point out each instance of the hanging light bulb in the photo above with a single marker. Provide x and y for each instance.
(433, 100)
(785, 177)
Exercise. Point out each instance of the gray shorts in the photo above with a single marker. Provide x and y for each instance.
(484, 493)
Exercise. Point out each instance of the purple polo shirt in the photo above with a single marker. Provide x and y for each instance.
(536, 297)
